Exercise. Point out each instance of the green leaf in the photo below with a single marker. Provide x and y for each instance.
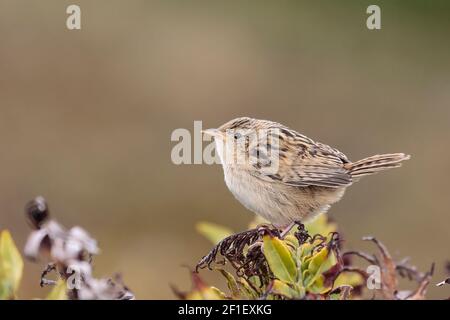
(282, 289)
(212, 293)
(202, 291)
(280, 259)
(232, 284)
(317, 285)
(304, 255)
(291, 240)
(341, 293)
(245, 287)
(11, 267)
(206, 293)
(319, 263)
(58, 292)
(213, 232)
(352, 279)
(334, 296)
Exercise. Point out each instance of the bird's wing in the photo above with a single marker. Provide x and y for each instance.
(303, 162)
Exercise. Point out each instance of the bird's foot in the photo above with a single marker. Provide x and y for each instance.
(301, 234)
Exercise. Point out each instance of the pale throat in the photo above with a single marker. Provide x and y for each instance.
(220, 149)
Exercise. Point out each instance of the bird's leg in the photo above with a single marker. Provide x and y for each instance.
(302, 235)
(287, 229)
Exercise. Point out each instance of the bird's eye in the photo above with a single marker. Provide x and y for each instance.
(237, 136)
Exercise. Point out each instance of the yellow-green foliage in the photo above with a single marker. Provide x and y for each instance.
(58, 292)
(297, 269)
(11, 269)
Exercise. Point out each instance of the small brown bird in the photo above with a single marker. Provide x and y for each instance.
(284, 176)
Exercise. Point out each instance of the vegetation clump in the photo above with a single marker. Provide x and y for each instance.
(308, 263)
(260, 263)
(68, 252)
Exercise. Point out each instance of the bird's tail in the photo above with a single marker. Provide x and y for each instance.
(375, 164)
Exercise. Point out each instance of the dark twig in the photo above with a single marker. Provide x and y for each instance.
(46, 282)
(243, 252)
(368, 257)
(344, 291)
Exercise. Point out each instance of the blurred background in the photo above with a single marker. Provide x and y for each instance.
(86, 118)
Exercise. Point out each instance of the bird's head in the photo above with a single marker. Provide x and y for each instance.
(243, 141)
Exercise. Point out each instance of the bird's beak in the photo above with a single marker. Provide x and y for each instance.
(211, 132)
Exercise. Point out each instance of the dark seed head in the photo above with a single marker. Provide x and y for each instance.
(37, 212)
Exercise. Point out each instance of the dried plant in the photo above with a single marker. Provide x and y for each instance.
(68, 253)
(308, 263)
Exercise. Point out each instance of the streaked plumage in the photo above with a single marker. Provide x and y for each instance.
(310, 175)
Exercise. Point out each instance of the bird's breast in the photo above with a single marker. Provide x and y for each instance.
(269, 200)
(276, 202)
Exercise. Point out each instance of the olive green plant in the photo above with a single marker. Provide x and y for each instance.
(259, 263)
(297, 266)
(307, 263)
